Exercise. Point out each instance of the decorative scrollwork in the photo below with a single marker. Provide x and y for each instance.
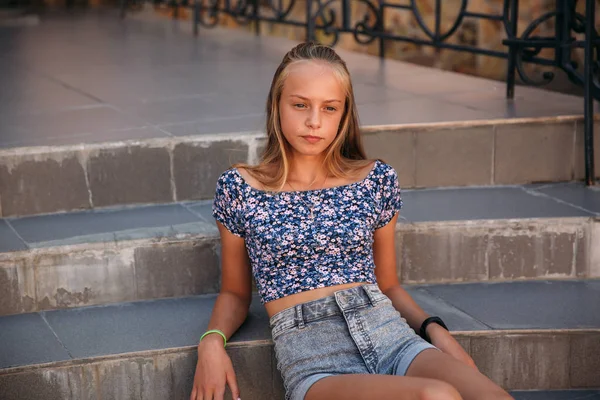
(438, 37)
(325, 19)
(365, 31)
(280, 11)
(208, 16)
(533, 49)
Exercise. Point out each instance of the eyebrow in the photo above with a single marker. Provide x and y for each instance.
(307, 99)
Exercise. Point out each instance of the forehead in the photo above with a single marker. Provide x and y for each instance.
(313, 80)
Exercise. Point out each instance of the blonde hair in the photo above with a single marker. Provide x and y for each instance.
(343, 157)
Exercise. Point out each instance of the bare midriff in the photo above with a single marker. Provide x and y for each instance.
(273, 307)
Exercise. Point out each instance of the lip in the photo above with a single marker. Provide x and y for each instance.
(311, 139)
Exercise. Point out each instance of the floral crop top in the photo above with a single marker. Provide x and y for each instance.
(289, 251)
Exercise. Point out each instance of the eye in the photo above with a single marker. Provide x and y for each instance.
(332, 109)
(299, 105)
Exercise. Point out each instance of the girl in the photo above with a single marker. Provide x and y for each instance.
(314, 222)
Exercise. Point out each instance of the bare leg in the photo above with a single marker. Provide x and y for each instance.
(380, 387)
(471, 384)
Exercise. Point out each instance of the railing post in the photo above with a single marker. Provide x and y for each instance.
(381, 28)
(588, 81)
(512, 50)
(123, 8)
(256, 18)
(196, 11)
(310, 22)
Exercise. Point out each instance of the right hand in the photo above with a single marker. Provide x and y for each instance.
(213, 370)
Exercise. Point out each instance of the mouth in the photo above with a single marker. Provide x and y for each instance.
(311, 139)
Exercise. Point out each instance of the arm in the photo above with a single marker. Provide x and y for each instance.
(384, 254)
(235, 296)
(214, 368)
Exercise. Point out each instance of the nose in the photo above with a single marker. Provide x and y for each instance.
(313, 121)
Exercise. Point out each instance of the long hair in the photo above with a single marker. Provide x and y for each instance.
(344, 156)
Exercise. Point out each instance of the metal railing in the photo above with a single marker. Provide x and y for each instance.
(333, 18)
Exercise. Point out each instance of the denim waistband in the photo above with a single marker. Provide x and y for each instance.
(342, 300)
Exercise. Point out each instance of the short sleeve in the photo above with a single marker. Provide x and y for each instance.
(228, 203)
(390, 198)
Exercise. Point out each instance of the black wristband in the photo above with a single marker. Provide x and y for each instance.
(423, 330)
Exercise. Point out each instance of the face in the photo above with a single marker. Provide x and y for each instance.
(311, 107)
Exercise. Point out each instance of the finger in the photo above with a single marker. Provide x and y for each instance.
(220, 393)
(232, 382)
(208, 394)
(194, 393)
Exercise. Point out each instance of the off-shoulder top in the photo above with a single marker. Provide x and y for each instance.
(289, 251)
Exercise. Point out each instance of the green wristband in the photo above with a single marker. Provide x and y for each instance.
(215, 331)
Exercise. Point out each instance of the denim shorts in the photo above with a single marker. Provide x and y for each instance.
(355, 331)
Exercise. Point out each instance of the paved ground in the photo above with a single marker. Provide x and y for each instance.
(90, 77)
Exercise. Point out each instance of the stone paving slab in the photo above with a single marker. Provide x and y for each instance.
(167, 323)
(108, 225)
(27, 339)
(526, 305)
(149, 77)
(9, 240)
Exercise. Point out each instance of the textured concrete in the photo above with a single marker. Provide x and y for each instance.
(522, 361)
(130, 175)
(17, 285)
(457, 157)
(42, 184)
(584, 369)
(467, 251)
(197, 166)
(528, 153)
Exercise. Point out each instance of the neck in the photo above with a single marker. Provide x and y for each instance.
(307, 170)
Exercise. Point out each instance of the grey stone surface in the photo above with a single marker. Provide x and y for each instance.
(20, 130)
(42, 184)
(147, 325)
(482, 203)
(454, 318)
(17, 287)
(151, 71)
(9, 241)
(523, 361)
(574, 193)
(584, 361)
(441, 253)
(130, 175)
(83, 277)
(104, 225)
(526, 305)
(454, 157)
(178, 269)
(26, 339)
(529, 153)
(197, 166)
(75, 382)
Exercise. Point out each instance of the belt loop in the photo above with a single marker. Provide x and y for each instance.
(299, 316)
(370, 295)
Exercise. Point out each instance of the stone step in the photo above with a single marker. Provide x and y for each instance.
(445, 235)
(530, 335)
(39, 180)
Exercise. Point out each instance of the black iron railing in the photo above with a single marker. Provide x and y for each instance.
(333, 18)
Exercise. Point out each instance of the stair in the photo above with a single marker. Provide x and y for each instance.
(523, 335)
(109, 256)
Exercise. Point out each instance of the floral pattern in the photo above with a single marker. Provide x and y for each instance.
(289, 251)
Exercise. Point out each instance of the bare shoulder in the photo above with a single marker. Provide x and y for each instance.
(250, 180)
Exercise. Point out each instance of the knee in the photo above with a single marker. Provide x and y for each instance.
(438, 390)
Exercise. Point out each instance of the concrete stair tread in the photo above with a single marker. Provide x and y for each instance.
(157, 325)
(571, 199)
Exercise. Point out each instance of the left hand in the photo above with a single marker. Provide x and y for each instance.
(442, 339)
